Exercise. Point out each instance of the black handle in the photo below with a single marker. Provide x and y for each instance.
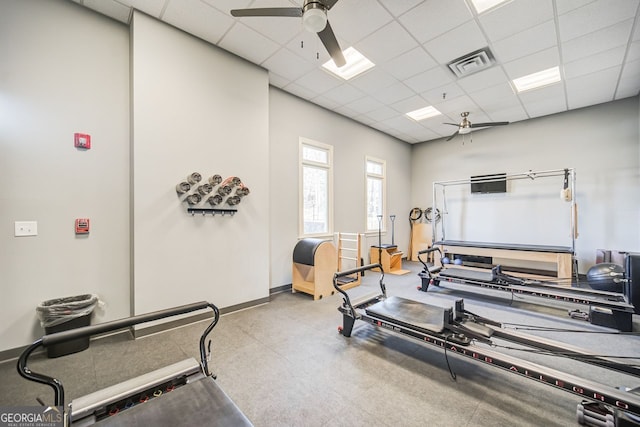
(429, 250)
(87, 331)
(357, 270)
(114, 325)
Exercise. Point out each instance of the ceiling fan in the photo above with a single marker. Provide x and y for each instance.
(314, 20)
(465, 126)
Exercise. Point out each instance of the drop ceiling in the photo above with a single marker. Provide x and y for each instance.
(596, 44)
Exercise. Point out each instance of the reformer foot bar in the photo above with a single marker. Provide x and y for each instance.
(460, 332)
(182, 394)
(607, 309)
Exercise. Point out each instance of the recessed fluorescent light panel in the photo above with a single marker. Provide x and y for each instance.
(423, 113)
(484, 5)
(356, 64)
(537, 80)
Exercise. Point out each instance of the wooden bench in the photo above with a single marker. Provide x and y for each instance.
(561, 256)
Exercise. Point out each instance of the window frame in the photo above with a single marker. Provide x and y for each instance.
(326, 166)
(383, 178)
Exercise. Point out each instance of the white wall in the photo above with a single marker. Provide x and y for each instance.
(600, 142)
(64, 69)
(290, 118)
(199, 109)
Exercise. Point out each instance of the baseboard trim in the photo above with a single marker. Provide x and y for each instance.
(14, 353)
(280, 289)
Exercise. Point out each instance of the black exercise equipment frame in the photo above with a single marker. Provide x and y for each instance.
(608, 309)
(88, 331)
(460, 337)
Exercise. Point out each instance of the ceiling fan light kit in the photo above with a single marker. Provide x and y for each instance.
(465, 126)
(314, 17)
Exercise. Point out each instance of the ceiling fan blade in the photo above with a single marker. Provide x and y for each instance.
(482, 125)
(452, 124)
(295, 12)
(453, 136)
(329, 3)
(331, 44)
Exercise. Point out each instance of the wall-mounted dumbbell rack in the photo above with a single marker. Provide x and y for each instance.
(216, 192)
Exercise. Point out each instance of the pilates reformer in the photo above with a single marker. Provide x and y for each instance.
(181, 394)
(609, 309)
(473, 337)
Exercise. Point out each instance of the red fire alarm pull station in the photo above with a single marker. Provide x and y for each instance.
(82, 226)
(82, 140)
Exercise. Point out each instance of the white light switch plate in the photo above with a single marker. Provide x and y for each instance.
(26, 228)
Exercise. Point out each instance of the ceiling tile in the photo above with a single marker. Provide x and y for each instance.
(514, 17)
(393, 93)
(595, 16)
(349, 23)
(304, 92)
(594, 88)
(110, 8)
(384, 113)
(597, 41)
(510, 114)
(631, 69)
(499, 96)
(555, 90)
(398, 7)
(455, 106)
(343, 94)
(364, 119)
(198, 18)
(277, 80)
(225, 6)
(531, 64)
(629, 84)
(430, 79)
(544, 101)
(432, 18)
(594, 63)
(526, 42)
(279, 29)
(388, 42)
(345, 111)
(247, 43)
(409, 104)
(634, 51)
(403, 123)
(309, 47)
(455, 43)
(287, 64)
(327, 103)
(483, 79)
(318, 81)
(364, 105)
(564, 6)
(439, 94)
(409, 63)
(373, 80)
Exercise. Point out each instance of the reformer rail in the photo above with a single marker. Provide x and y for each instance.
(466, 334)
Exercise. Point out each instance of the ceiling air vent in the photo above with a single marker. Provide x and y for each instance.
(472, 62)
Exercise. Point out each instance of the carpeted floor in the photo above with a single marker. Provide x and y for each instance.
(284, 364)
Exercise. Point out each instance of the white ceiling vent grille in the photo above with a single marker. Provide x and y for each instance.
(472, 62)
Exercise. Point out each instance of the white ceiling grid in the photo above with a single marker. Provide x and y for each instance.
(596, 44)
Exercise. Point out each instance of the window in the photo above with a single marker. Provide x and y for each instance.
(316, 188)
(376, 201)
